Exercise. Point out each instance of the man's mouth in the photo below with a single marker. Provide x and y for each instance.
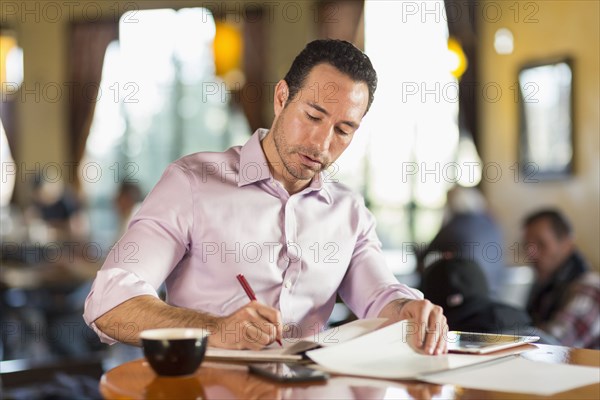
(310, 162)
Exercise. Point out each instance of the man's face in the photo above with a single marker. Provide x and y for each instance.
(544, 249)
(312, 130)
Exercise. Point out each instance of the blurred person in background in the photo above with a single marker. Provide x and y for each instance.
(469, 232)
(127, 201)
(565, 299)
(58, 208)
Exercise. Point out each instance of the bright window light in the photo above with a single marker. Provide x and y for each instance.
(154, 106)
(411, 132)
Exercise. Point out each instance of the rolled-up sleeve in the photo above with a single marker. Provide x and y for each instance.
(158, 237)
(369, 285)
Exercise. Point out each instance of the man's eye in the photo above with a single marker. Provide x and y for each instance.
(341, 132)
(312, 118)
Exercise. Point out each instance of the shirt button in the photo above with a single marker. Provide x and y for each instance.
(287, 284)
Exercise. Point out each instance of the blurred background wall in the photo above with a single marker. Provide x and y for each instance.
(551, 29)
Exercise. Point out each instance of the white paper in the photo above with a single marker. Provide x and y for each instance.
(519, 375)
(346, 332)
(386, 354)
(291, 347)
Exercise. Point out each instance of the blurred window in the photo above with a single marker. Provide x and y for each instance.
(159, 100)
(401, 159)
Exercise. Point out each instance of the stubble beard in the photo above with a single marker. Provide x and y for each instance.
(284, 151)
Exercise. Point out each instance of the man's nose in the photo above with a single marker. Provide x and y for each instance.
(321, 138)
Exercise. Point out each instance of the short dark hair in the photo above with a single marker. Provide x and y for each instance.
(559, 223)
(340, 54)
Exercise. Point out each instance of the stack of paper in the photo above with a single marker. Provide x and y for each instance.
(519, 375)
(386, 354)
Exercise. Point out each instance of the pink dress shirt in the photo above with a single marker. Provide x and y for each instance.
(215, 215)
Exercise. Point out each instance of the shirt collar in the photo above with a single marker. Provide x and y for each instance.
(255, 168)
(318, 184)
(253, 163)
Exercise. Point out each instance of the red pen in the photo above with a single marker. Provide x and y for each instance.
(248, 289)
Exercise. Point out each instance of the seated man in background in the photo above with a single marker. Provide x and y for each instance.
(58, 207)
(268, 210)
(565, 300)
(127, 202)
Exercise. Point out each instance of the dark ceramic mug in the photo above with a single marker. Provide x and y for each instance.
(174, 351)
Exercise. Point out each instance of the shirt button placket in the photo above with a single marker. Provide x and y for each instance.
(291, 258)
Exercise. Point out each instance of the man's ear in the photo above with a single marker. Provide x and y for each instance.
(280, 96)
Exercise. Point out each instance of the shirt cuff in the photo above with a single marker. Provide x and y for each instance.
(111, 288)
(389, 294)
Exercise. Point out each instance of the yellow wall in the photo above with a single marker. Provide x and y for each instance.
(563, 27)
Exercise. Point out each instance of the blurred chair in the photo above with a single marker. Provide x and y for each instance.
(51, 379)
(460, 287)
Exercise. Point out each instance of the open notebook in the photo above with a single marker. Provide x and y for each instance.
(293, 349)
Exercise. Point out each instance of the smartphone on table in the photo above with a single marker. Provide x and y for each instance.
(284, 372)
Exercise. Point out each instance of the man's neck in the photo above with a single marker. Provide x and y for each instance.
(558, 272)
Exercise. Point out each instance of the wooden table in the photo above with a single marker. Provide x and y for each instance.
(136, 380)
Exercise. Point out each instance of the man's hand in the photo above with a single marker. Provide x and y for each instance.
(430, 326)
(427, 325)
(252, 327)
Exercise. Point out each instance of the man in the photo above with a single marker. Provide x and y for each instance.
(469, 232)
(127, 202)
(565, 300)
(265, 210)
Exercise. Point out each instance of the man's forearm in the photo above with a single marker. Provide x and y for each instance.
(125, 322)
(392, 310)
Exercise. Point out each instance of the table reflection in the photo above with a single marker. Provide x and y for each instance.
(220, 380)
(175, 388)
(232, 381)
